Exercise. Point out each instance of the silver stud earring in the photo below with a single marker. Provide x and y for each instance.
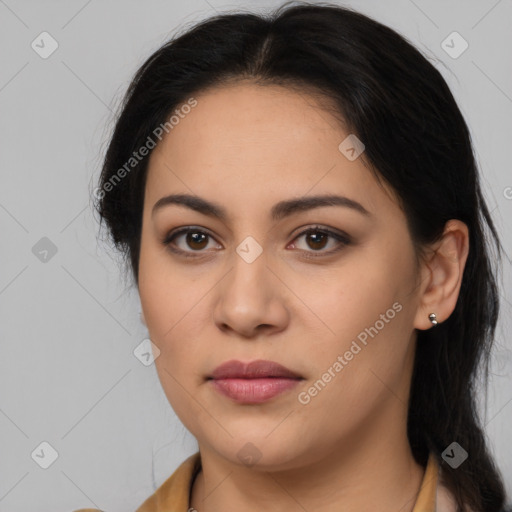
(432, 317)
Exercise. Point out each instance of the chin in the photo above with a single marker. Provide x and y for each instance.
(260, 453)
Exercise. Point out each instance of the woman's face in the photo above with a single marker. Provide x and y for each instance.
(252, 286)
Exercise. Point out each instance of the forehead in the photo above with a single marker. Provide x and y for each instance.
(257, 141)
(245, 113)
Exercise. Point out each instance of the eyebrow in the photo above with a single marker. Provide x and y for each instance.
(279, 210)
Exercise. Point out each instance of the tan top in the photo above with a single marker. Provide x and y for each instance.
(174, 494)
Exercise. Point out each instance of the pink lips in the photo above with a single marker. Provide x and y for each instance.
(254, 382)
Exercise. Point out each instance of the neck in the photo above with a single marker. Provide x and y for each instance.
(373, 470)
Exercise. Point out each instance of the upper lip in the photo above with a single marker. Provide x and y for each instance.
(257, 369)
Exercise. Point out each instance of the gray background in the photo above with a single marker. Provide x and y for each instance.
(68, 375)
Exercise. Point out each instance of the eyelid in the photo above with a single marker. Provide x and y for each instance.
(336, 233)
(171, 235)
(183, 230)
(341, 237)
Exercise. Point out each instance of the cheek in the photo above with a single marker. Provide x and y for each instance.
(174, 377)
(174, 309)
(366, 309)
(354, 299)
(165, 294)
(363, 369)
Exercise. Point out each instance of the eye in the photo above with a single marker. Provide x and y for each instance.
(318, 237)
(197, 239)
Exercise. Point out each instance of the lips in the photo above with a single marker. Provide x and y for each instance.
(254, 382)
(258, 369)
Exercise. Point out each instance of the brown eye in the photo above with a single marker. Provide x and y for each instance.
(187, 241)
(196, 240)
(318, 238)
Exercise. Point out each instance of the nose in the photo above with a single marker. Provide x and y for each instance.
(251, 300)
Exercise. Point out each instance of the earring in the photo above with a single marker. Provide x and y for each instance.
(433, 319)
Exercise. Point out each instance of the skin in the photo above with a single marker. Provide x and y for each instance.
(247, 147)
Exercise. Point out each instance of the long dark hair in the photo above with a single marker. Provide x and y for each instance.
(416, 139)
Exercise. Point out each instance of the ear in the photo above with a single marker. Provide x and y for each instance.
(442, 275)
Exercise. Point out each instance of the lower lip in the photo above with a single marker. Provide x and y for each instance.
(253, 391)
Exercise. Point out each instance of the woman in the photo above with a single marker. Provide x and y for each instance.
(299, 204)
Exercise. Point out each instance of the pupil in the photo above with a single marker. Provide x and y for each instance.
(192, 238)
(317, 241)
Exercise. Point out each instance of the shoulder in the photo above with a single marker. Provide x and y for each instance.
(174, 493)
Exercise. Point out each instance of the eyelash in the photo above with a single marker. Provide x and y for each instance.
(344, 240)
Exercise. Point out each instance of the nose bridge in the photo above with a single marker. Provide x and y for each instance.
(250, 250)
(249, 297)
(249, 274)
